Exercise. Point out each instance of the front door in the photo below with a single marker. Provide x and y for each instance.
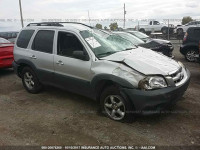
(71, 73)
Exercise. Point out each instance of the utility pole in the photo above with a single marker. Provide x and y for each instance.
(124, 14)
(20, 7)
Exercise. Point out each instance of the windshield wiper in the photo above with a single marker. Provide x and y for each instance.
(107, 53)
(127, 49)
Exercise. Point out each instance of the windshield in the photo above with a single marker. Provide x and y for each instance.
(104, 44)
(140, 35)
(133, 39)
(4, 41)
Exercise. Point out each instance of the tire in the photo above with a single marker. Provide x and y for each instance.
(115, 106)
(180, 31)
(142, 30)
(190, 55)
(164, 30)
(30, 81)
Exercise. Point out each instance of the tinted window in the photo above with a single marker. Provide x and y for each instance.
(43, 41)
(24, 38)
(67, 44)
(197, 33)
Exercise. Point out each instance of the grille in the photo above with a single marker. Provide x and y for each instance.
(177, 76)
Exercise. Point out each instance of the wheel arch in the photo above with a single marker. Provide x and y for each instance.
(100, 82)
(24, 63)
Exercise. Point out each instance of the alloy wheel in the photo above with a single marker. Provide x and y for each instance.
(114, 107)
(28, 80)
(190, 55)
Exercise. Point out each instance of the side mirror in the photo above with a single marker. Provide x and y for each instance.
(80, 55)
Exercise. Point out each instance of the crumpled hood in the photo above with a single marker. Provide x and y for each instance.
(145, 61)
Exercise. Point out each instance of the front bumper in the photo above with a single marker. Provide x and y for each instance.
(153, 102)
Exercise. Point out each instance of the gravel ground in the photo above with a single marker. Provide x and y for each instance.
(56, 117)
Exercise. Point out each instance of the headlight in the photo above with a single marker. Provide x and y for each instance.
(154, 82)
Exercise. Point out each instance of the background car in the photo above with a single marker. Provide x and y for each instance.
(10, 36)
(155, 26)
(190, 45)
(162, 46)
(6, 53)
(183, 28)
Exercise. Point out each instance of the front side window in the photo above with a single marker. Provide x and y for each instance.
(43, 41)
(24, 38)
(67, 44)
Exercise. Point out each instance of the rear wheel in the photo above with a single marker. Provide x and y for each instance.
(190, 55)
(30, 81)
(164, 30)
(142, 30)
(115, 106)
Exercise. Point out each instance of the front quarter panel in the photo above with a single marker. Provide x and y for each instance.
(113, 71)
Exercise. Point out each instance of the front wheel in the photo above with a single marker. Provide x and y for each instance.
(115, 106)
(30, 81)
(191, 55)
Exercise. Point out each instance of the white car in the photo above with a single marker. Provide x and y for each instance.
(154, 26)
(183, 28)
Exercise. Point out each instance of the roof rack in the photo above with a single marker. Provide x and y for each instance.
(58, 24)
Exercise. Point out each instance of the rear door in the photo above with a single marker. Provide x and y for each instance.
(41, 55)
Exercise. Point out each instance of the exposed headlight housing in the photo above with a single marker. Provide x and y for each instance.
(152, 82)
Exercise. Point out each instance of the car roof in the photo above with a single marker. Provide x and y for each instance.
(72, 26)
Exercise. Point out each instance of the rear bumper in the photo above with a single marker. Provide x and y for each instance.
(153, 102)
(16, 68)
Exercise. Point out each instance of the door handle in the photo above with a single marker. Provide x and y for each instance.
(60, 62)
(33, 57)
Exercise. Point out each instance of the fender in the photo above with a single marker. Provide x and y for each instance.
(26, 62)
(108, 77)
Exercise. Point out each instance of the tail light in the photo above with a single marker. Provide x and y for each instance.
(185, 37)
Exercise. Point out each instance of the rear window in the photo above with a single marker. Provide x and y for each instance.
(43, 41)
(24, 38)
(4, 41)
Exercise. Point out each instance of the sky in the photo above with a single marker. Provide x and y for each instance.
(77, 10)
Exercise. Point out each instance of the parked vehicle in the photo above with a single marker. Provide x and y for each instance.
(183, 28)
(6, 53)
(10, 36)
(162, 46)
(123, 78)
(190, 45)
(155, 26)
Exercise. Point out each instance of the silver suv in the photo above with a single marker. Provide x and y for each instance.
(123, 78)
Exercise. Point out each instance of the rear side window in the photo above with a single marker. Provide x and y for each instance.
(24, 38)
(43, 41)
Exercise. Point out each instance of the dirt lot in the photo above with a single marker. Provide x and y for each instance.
(56, 117)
